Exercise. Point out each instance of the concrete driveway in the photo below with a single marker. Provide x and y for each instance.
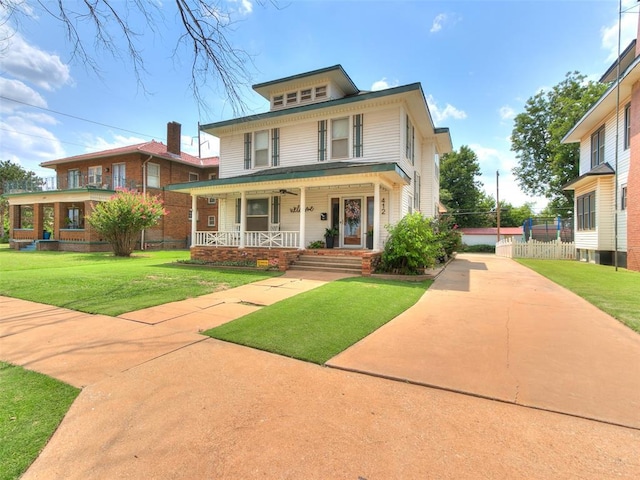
(493, 328)
(161, 402)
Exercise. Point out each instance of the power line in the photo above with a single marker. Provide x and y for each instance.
(41, 137)
(76, 117)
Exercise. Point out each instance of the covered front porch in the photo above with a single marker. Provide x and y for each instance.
(339, 208)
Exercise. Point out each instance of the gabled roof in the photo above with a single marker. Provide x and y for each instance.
(606, 104)
(625, 58)
(157, 149)
(335, 73)
(601, 170)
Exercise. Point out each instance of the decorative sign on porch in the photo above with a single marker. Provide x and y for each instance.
(296, 209)
(262, 263)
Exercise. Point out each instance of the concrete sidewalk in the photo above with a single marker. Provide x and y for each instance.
(493, 328)
(160, 401)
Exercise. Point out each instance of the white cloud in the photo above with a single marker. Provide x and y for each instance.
(442, 114)
(383, 84)
(628, 30)
(28, 144)
(436, 26)
(245, 6)
(17, 90)
(507, 113)
(29, 63)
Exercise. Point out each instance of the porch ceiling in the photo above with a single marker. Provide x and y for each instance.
(325, 174)
(56, 196)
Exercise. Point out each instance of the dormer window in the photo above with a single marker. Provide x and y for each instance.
(292, 97)
(321, 92)
(278, 100)
(305, 95)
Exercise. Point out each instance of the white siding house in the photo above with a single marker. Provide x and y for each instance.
(606, 134)
(326, 155)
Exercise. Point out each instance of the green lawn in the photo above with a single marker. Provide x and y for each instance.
(617, 293)
(102, 283)
(31, 408)
(317, 325)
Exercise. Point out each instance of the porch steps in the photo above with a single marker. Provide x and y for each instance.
(29, 247)
(328, 263)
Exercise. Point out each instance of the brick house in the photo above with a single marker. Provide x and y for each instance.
(326, 155)
(607, 190)
(51, 214)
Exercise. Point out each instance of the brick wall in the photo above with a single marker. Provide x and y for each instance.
(281, 258)
(633, 185)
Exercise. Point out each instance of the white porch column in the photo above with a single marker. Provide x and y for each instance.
(376, 216)
(303, 216)
(194, 218)
(243, 216)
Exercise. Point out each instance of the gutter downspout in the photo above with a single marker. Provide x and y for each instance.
(144, 192)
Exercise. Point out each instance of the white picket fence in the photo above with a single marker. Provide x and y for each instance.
(556, 250)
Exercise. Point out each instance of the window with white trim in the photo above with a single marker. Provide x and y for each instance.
(95, 175)
(292, 97)
(409, 140)
(212, 200)
(627, 126)
(321, 92)
(305, 95)
(586, 207)
(194, 177)
(340, 138)
(278, 100)
(73, 178)
(261, 149)
(597, 147)
(416, 190)
(211, 221)
(153, 175)
(623, 198)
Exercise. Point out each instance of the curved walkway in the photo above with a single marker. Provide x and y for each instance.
(160, 401)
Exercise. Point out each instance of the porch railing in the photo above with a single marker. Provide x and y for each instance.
(280, 239)
(65, 182)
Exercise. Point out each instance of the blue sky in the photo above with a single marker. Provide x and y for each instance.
(478, 62)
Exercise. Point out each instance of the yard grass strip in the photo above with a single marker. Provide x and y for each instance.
(104, 284)
(32, 406)
(317, 325)
(616, 293)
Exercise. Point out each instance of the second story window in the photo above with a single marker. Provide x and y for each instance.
(153, 175)
(261, 152)
(340, 138)
(627, 126)
(95, 176)
(305, 95)
(597, 148)
(258, 152)
(409, 140)
(278, 100)
(73, 178)
(321, 92)
(292, 97)
(623, 198)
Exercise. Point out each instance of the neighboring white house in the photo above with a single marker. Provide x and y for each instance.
(489, 235)
(605, 215)
(326, 155)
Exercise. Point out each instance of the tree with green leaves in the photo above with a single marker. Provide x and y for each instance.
(121, 219)
(460, 191)
(544, 163)
(11, 172)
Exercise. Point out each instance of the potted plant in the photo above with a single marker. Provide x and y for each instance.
(370, 239)
(330, 235)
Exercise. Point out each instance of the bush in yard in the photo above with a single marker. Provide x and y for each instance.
(448, 234)
(121, 219)
(413, 244)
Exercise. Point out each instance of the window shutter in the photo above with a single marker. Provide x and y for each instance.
(275, 209)
(322, 140)
(358, 150)
(275, 147)
(247, 151)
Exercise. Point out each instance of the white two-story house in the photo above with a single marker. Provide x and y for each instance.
(325, 156)
(607, 191)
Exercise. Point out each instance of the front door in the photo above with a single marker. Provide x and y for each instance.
(352, 222)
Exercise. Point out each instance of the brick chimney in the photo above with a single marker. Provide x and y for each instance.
(173, 137)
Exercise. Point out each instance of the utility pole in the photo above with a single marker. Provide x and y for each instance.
(498, 204)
